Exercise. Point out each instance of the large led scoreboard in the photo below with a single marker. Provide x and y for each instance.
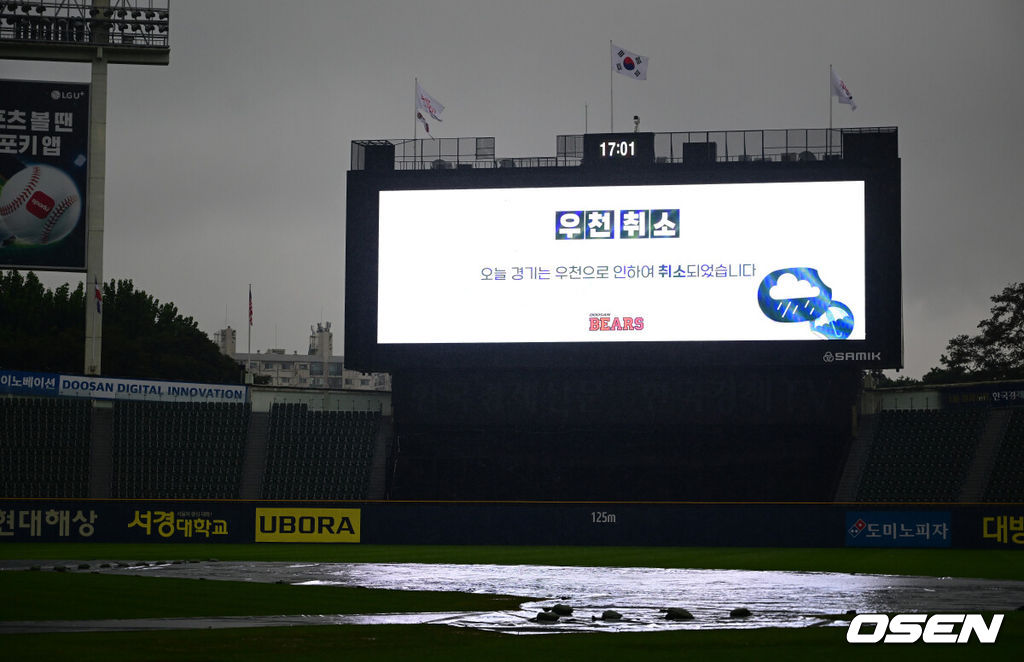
(625, 261)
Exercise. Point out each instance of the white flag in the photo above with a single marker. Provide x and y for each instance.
(840, 90)
(427, 103)
(628, 63)
(426, 125)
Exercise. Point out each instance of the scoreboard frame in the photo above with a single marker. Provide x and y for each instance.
(882, 346)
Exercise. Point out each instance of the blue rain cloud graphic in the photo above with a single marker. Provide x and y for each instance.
(798, 294)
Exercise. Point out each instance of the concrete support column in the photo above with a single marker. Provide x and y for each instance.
(94, 214)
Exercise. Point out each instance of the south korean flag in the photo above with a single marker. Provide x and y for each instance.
(628, 63)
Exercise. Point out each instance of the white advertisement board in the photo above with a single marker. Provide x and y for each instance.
(114, 388)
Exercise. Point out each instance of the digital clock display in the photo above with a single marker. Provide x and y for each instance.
(621, 148)
(605, 150)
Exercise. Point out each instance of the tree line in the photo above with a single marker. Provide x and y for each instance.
(43, 330)
(995, 353)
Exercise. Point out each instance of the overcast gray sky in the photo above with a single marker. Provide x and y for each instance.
(228, 166)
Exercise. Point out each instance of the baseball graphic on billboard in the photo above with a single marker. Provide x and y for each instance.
(40, 205)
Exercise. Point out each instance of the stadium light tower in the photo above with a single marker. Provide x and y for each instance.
(98, 32)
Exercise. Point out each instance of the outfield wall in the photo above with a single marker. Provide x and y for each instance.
(464, 523)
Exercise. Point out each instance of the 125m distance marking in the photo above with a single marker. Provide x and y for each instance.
(602, 517)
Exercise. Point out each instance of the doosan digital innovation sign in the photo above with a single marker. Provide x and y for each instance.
(656, 267)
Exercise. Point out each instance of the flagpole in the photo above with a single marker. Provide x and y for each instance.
(611, 97)
(248, 350)
(415, 112)
(98, 295)
(829, 148)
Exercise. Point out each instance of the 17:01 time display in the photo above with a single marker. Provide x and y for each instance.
(618, 148)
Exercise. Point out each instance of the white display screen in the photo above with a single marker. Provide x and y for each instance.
(677, 263)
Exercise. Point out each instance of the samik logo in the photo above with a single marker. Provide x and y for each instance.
(830, 357)
(935, 629)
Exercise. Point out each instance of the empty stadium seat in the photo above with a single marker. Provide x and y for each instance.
(317, 454)
(178, 450)
(921, 455)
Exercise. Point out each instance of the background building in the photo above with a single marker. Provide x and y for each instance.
(317, 368)
(225, 339)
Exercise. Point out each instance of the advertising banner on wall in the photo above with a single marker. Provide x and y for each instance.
(454, 523)
(899, 529)
(113, 521)
(996, 527)
(990, 394)
(304, 525)
(44, 143)
(18, 383)
(113, 388)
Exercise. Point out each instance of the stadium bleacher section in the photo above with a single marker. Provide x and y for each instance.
(658, 463)
(198, 451)
(1007, 481)
(318, 454)
(164, 450)
(44, 447)
(921, 455)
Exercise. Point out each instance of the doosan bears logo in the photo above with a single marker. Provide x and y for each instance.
(607, 322)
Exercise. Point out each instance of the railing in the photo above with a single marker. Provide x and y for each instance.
(443, 153)
(761, 145)
(779, 145)
(783, 145)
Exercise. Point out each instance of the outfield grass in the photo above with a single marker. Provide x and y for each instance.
(82, 595)
(425, 643)
(42, 596)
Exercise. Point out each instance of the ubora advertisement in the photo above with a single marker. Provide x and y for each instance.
(330, 525)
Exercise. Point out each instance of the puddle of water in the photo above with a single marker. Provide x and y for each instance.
(640, 595)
